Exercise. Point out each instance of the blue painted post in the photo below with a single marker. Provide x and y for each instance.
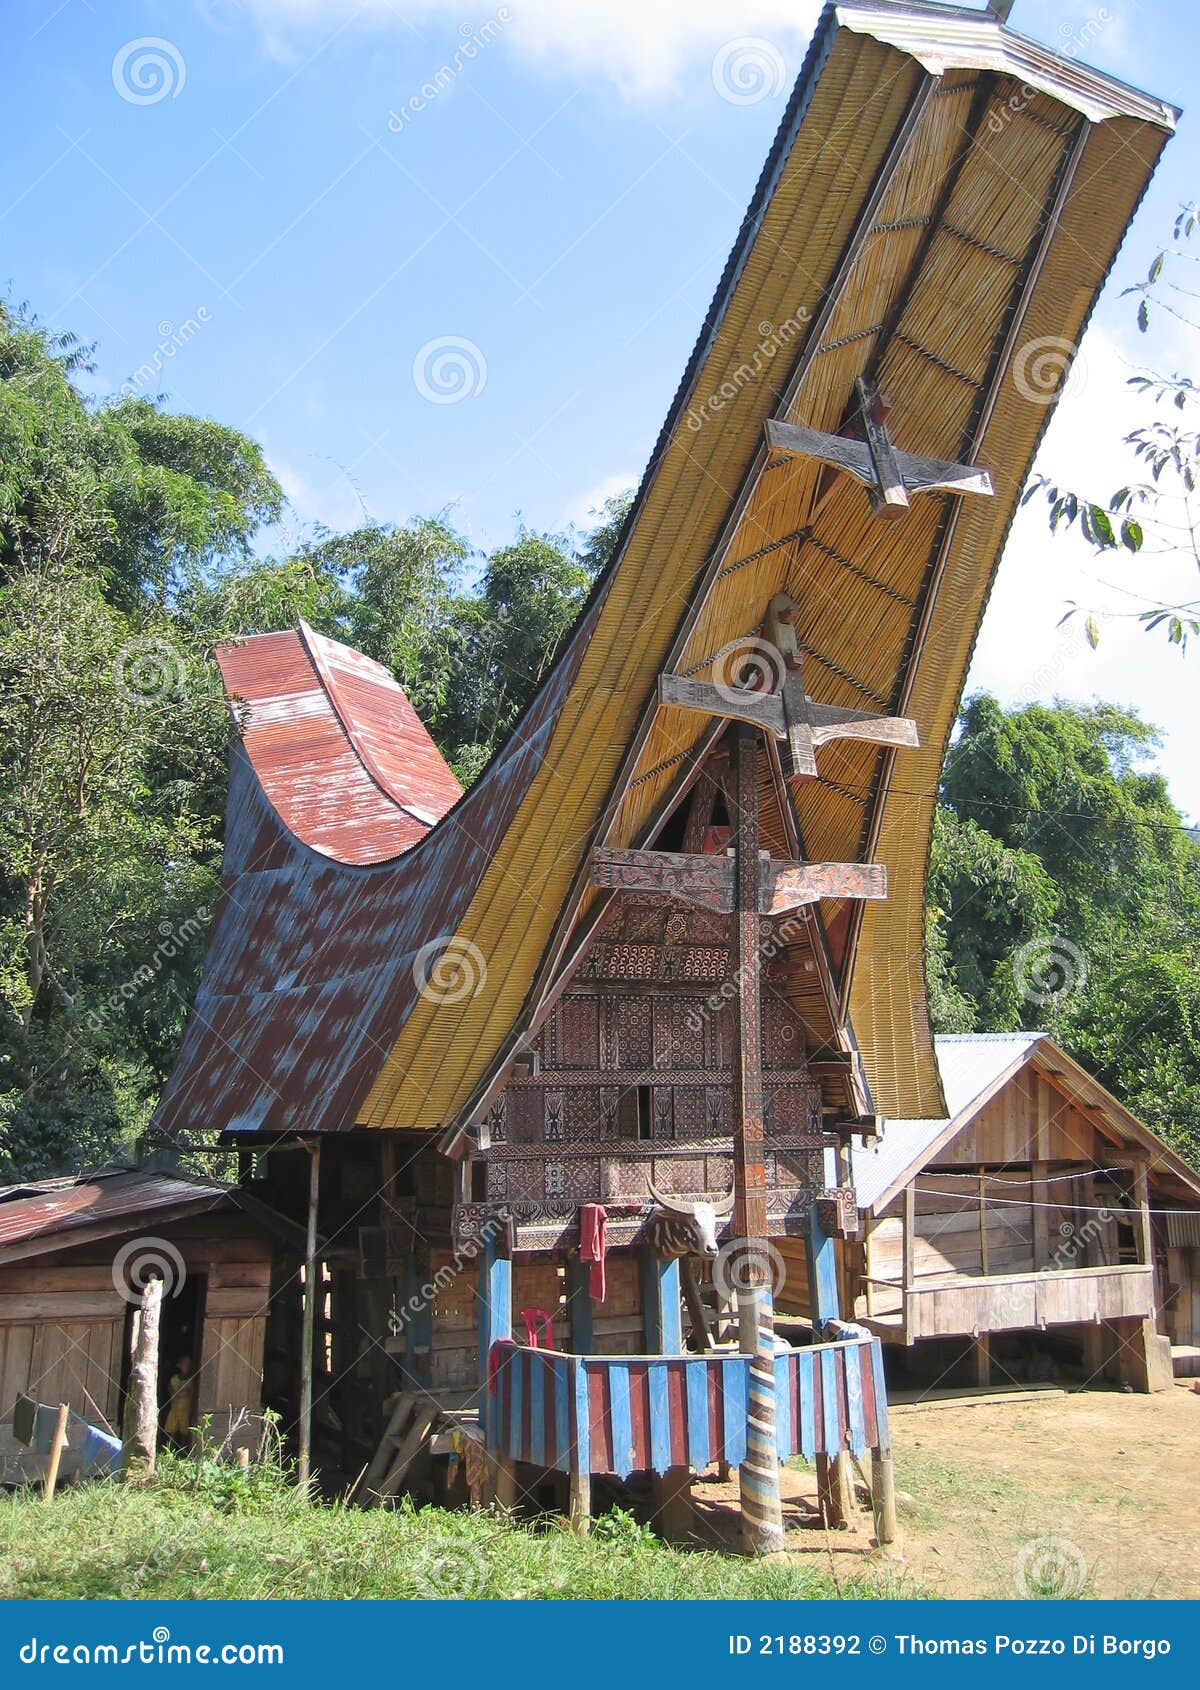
(495, 1312)
(661, 1305)
(822, 1275)
(834, 1485)
(579, 1307)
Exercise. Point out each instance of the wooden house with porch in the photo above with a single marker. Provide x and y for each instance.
(1038, 1207)
(521, 1058)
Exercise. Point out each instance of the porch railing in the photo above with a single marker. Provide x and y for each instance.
(625, 1414)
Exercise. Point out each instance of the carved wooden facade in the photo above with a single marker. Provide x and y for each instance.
(631, 1081)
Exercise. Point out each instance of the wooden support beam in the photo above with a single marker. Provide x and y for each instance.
(308, 1326)
(495, 1309)
(708, 881)
(661, 1304)
(580, 1310)
(888, 475)
(140, 1430)
(883, 1495)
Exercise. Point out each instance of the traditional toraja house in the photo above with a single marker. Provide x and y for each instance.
(73, 1256)
(647, 961)
(1038, 1229)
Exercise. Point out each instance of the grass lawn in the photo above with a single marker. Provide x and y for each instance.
(223, 1534)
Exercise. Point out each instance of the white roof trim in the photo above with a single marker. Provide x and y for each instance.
(943, 38)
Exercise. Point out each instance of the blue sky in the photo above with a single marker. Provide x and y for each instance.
(476, 292)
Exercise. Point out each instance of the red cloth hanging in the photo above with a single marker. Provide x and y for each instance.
(593, 1246)
(538, 1325)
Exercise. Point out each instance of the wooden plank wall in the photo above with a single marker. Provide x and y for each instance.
(62, 1319)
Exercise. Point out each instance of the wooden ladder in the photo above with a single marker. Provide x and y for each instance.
(408, 1428)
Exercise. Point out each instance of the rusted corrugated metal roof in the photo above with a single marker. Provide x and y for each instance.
(339, 751)
(99, 1200)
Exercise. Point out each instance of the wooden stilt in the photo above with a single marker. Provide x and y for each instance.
(304, 1454)
(673, 1504)
(57, 1444)
(581, 1499)
(829, 1493)
(981, 1351)
(505, 1482)
(883, 1495)
(140, 1430)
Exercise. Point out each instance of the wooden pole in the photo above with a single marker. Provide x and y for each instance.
(140, 1449)
(758, 1476)
(883, 1495)
(56, 1449)
(308, 1329)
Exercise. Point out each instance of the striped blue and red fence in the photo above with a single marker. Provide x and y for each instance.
(628, 1414)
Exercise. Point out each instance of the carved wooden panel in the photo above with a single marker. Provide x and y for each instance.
(579, 1033)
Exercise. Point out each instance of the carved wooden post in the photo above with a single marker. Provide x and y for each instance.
(762, 1515)
(141, 1404)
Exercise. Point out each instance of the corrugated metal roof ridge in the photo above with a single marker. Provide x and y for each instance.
(972, 39)
(316, 646)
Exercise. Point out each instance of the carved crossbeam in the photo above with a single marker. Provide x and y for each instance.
(799, 722)
(710, 881)
(889, 476)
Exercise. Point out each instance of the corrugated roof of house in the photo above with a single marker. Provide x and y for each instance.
(972, 1065)
(101, 1199)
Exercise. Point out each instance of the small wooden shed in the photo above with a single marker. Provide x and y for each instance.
(71, 1255)
(1039, 1208)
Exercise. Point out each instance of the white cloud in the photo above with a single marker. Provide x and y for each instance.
(645, 47)
(1023, 654)
(582, 512)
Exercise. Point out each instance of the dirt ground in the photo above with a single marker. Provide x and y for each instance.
(1089, 1493)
